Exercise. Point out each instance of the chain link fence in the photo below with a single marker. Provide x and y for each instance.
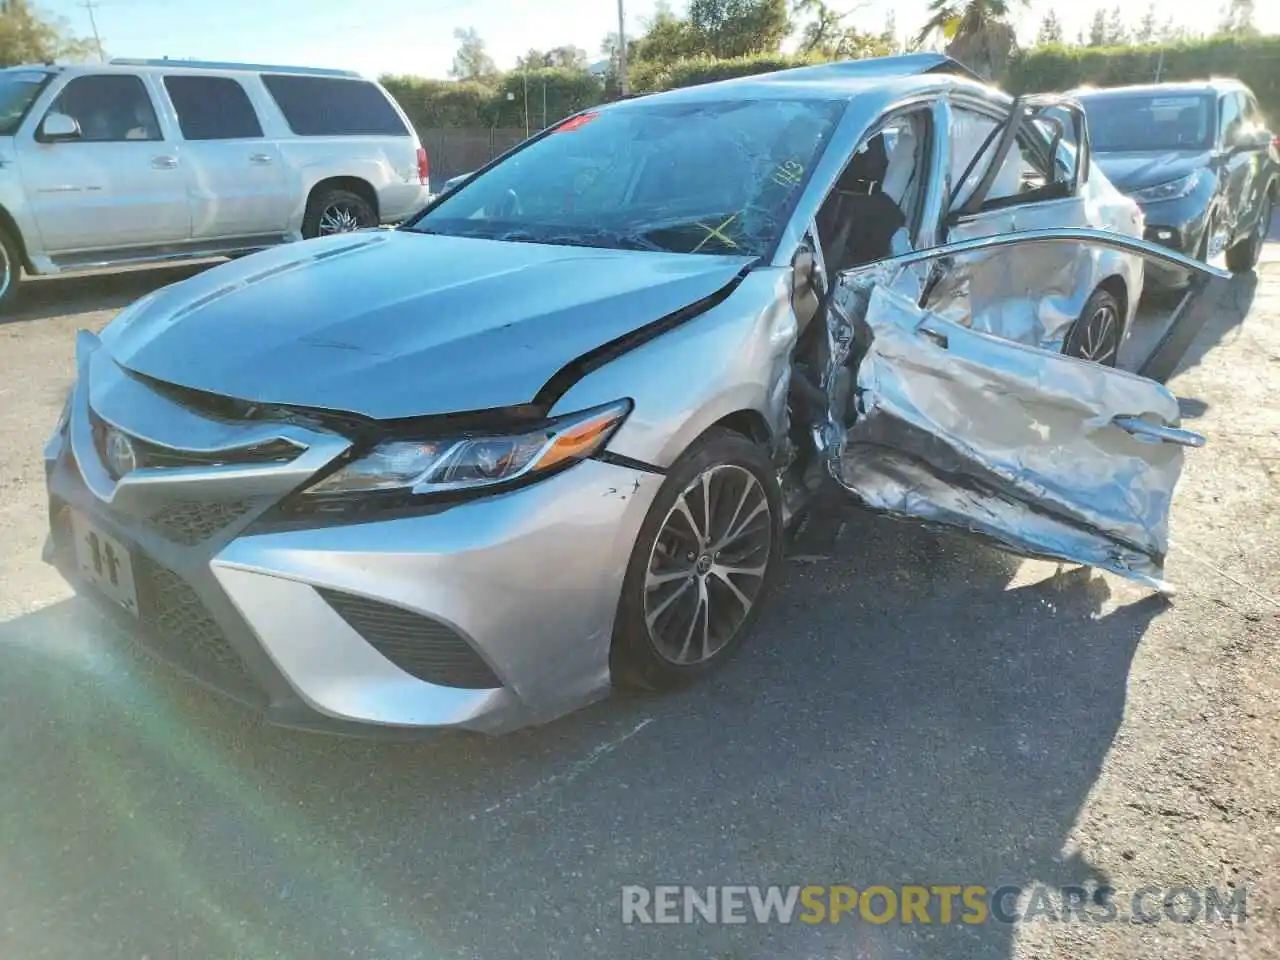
(455, 150)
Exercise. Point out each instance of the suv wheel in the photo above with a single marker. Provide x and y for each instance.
(1243, 257)
(705, 557)
(10, 270)
(337, 211)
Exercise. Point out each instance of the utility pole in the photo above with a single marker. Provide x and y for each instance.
(93, 22)
(622, 50)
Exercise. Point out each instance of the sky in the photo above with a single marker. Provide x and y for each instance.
(416, 36)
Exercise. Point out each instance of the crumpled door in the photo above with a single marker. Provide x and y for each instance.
(1042, 454)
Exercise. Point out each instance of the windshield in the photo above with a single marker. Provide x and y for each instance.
(1146, 122)
(687, 177)
(18, 90)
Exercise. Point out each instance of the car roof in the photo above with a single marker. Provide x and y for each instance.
(131, 65)
(1183, 86)
(886, 77)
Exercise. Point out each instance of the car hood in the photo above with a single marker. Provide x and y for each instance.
(1133, 171)
(391, 324)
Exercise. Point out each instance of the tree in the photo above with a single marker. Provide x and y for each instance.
(1050, 30)
(1147, 31)
(978, 31)
(889, 35)
(825, 33)
(28, 37)
(472, 61)
(666, 38)
(1237, 18)
(1098, 29)
(736, 28)
(566, 57)
(1117, 32)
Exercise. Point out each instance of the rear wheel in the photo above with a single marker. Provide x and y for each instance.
(1243, 257)
(335, 210)
(1096, 333)
(705, 557)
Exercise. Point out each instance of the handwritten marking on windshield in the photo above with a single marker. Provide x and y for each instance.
(717, 233)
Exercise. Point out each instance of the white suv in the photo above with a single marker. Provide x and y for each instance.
(153, 160)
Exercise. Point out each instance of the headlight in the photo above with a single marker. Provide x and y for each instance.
(469, 462)
(1172, 190)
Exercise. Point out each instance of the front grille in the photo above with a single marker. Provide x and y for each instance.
(191, 522)
(418, 645)
(179, 622)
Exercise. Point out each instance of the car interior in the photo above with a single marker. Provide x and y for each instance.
(874, 206)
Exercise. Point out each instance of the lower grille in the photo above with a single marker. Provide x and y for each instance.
(191, 522)
(418, 645)
(179, 621)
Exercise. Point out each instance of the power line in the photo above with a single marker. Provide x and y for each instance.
(93, 22)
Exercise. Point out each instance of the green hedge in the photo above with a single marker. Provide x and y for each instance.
(443, 104)
(1256, 61)
(433, 104)
(651, 77)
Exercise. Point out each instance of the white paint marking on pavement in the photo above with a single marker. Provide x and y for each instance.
(575, 770)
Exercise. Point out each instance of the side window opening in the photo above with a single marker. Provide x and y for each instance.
(1039, 166)
(875, 207)
(333, 106)
(110, 108)
(212, 108)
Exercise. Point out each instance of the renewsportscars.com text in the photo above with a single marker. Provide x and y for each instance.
(935, 904)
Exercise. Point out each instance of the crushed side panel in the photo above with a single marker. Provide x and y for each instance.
(947, 425)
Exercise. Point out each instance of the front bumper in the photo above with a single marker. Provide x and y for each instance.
(486, 615)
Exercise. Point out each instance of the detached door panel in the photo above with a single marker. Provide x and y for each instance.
(236, 178)
(1043, 454)
(119, 185)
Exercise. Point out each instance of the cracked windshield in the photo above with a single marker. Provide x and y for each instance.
(639, 480)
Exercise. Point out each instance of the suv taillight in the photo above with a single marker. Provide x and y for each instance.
(424, 167)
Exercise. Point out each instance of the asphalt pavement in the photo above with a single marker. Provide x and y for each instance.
(912, 708)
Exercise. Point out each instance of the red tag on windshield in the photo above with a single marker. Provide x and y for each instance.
(573, 123)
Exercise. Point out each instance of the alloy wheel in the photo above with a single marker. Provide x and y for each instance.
(1100, 338)
(339, 218)
(707, 565)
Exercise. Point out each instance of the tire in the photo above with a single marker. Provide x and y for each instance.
(1243, 257)
(740, 476)
(1096, 334)
(10, 271)
(334, 210)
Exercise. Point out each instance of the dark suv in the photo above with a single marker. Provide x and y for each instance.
(1198, 157)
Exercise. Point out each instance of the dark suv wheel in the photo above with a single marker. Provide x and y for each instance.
(1243, 257)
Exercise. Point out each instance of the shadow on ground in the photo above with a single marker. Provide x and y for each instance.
(50, 297)
(903, 715)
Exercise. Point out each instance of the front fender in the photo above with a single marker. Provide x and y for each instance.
(733, 358)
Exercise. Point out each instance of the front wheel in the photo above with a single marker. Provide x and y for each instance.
(706, 554)
(1244, 256)
(337, 211)
(1095, 334)
(10, 271)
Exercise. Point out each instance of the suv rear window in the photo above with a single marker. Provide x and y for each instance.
(332, 106)
(212, 108)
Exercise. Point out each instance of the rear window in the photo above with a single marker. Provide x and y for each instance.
(333, 106)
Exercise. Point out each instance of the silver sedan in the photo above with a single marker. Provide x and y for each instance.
(546, 437)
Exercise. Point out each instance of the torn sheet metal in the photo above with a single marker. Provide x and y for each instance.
(1035, 451)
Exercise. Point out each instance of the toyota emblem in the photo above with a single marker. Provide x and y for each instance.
(121, 456)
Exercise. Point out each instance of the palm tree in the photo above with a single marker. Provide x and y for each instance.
(978, 32)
